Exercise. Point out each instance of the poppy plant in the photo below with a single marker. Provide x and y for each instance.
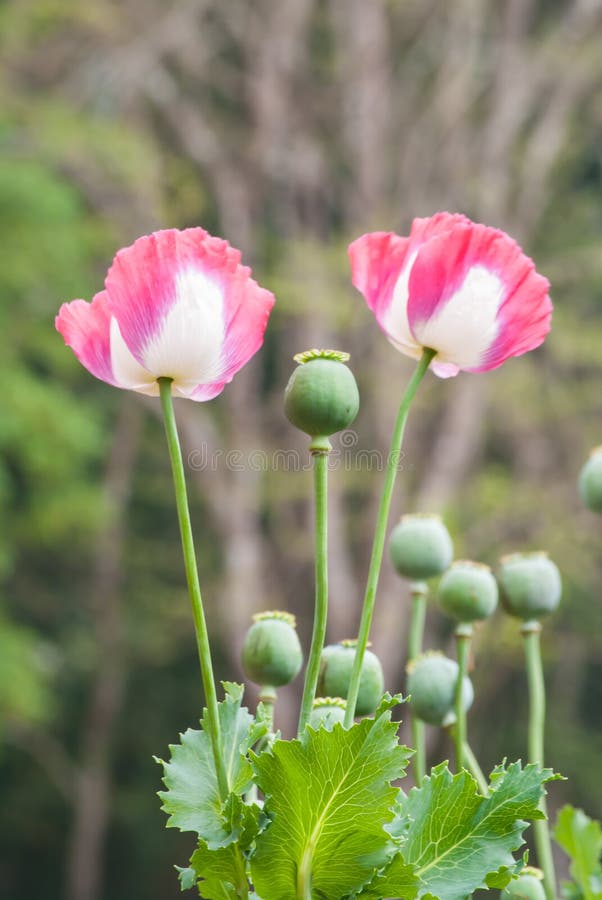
(177, 305)
(179, 316)
(464, 290)
(455, 296)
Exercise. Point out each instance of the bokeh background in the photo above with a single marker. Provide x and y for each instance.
(288, 127)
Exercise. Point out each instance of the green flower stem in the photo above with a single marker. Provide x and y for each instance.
(378, 545)
(419, 594)
(192, 577)
(463, 638)
(320, 449)
(472, 763)
(475, 770)
(537, 716)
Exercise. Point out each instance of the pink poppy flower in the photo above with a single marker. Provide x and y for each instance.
(464, 290)
(176, 304)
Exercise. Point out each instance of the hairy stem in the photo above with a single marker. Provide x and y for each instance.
(419, 593)
(192, 577)
(537, 716)
(378, 545)
(320, 467)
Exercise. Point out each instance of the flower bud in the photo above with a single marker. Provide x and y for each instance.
(321, 396)
(590, 481)
(271, 653)
(335, 674)
(528, 886)
(431, 685)
(468, 591)
(326, 712)
(530, 585)
(420, 547)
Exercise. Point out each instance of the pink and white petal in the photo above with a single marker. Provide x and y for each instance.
(85, 328)
(458, 284)
(203, 392)
(140, 286)
(142, 281)
(189, 344)
(423, 230)
(127, 371)
(381, 263)
(202, 315)
(379, 270)
(247, 310)
(376, 260)
(524, 319)
(443, 369)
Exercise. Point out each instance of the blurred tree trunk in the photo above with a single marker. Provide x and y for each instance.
(93, 781)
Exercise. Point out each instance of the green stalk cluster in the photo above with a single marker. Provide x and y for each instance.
(322, 398)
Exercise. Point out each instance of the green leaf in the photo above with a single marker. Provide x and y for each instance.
(397, 880)
(187, 877)
(220, 874)
(192, 799)
(243, 819)
(457, 839)
(504, 875)
(329, 795)
(581, 838)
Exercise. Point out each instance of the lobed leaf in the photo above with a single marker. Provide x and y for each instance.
(220, 874)
(397, 880)
(459, 841)
(192, 800)
(329, 796)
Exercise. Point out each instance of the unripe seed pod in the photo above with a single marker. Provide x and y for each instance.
(528, 886)
(335, 674)
(420, 547)
(326, 712)
(530, 585)
(321, 396)
(271, 653)
(431, 685)
(590, 481)
(468, 591)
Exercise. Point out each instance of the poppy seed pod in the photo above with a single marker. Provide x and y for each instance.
(335, 674)
(530, 585)
(321, 396)
(590, 481)
(326, 712)
(431, 685)
(528, 886)
(420, 547)
(271, 653)
(468, 591)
